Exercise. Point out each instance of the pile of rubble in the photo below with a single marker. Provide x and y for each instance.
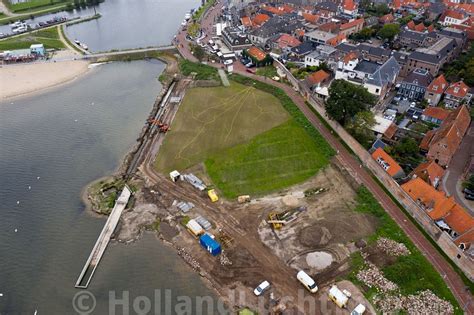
(392, 248)
(373, 277)
(225, 261)
(189, 259)
(424, 302)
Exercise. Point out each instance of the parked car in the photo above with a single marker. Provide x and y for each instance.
(469, 196)
(250, 65)
(468, 191)
(228, 62)
(262, 287)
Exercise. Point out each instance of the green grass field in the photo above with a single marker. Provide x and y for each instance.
(212, 119)
(280, 157)
(48, 37)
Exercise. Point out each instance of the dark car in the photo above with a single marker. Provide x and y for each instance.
(468, 191)
(469, 196)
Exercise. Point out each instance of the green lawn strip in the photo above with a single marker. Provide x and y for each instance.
(48, 37)
(203, 72)
(33, 4)
(412, 273)
(34, 13)
(268, 71)
(292, 109)
(278, 158)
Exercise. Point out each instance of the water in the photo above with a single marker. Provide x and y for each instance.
(69, 137)
(132, 24)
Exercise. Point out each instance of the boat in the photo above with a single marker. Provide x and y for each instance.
(187, 16)
(184, 23)
(84, 46)
(77, 42)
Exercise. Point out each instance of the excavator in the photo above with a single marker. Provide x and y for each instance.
(163, 128)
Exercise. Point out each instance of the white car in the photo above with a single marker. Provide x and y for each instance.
(262, 287)
(228, 62)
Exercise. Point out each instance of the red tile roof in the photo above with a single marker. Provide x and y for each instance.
(443, 142)
(336, 40)
(349, 5)
(391, 130)
(352, 24)
(259, 19)
(311, 18)
(246, 21)
(350, 56)
(429, 171)
(393, 168)
(438, 85)
(436, 112)
(440, 207)
(286, 40)
(257, 53)
(387, 18)
(455, 14)
(433, 201)
(318, 77)
(458, 89)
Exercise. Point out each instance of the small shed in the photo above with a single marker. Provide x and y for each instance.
(37, 49)
(210, 244)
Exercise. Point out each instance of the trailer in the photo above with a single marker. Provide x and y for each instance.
(194, 228)
(338, 297)
(210, 244)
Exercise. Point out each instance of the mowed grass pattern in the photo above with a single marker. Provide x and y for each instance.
(212, 119)
(280, 157)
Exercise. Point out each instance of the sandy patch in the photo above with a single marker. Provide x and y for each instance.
(319, 260)
(22, 79)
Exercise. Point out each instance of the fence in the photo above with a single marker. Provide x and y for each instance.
(443, 240)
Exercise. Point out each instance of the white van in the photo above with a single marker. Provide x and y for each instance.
(307, 281)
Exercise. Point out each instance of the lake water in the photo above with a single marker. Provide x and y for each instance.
(51, 146)
(132, 24)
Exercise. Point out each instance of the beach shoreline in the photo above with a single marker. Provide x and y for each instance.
(17, 80)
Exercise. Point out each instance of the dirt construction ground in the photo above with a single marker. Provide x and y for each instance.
(319, 239)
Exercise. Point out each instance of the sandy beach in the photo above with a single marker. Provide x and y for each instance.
(22, 79)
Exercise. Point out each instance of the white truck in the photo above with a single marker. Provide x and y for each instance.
(338, 297)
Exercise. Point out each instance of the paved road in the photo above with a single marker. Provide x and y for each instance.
(451, 278)
(451, 181)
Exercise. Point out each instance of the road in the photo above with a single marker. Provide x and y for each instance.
(452, 279)
(456, 169)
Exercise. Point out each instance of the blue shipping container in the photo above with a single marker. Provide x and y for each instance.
(210, 244)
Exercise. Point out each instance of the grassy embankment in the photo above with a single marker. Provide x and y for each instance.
(412, 273)
(199, 12)
(268, 71)
(48, 37)
(35, 5)
(247, 140)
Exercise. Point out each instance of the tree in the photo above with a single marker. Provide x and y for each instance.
(407, 153)
(389, 31)
(346, 100)
(364, 34)
(198, 52)
(382, 9)
(469, 184)
(360, 128)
